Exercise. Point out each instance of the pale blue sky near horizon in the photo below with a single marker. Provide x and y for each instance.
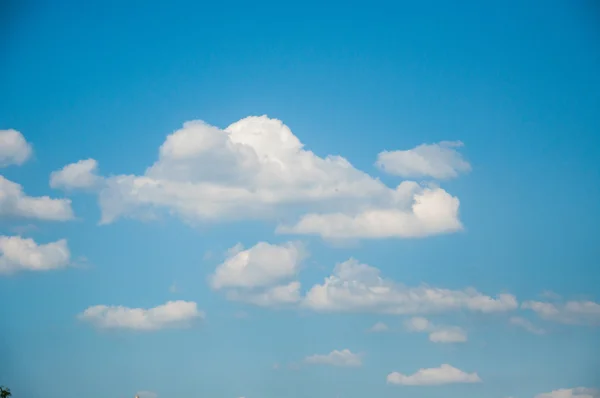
(516, 81)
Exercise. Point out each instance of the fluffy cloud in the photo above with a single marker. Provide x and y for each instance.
(172, 314)
(448, 334)
(579, 392)
(379, 327)
(433, 211)
(258, 169)
(14, 149)
(437, 334)
(80, 175)
(445, 374)
(571, 312)
(418, 324)
(356, 287)
(261, 265)
(440, 161)
(15, 203)
(255, 275)
(343, 358)
(21, 254)
(526, 324)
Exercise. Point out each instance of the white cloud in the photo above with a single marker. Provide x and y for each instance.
(258, 169)
(343, 358)
(275, 296)
(418, 324)
(433, 212)
(445, 374)
(172, 314)
(437, 334)
(263, 264)
(440, 161)
(356, 287)
(255, 275)
(22, 254)
(14, 149)
(79, 175)
(15, 203)
(448, 334)
(526, 324)
(579, 392)
(571, 312)
(379, 327)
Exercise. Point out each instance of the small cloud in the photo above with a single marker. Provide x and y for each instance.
(440, 161)
(578, 392)
(379, 327)
(445, 374)
(14, 149)
(172, 314)
(173, 288)
(343, 358)
(80, 175)
(24, 254)
(437, 333)
(525, 324)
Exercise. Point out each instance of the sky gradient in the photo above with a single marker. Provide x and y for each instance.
(268, 200)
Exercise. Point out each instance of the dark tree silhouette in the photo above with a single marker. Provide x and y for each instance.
(5, 392)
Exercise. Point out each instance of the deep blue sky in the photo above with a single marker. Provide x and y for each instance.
(516, 81)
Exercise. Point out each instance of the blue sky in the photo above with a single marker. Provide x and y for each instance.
(446, 191)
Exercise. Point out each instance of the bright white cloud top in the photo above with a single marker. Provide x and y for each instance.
(15, 203)
(169, 315)
(261, 274)
(343, 358)
(14, 148)
(440, 161)
(445, 374)
(23, 254)
(258, 169)
(261, 265)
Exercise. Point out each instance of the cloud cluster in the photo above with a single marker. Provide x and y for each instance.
(437, 333)
(171, 314)
(571, 312)
(258, 169)
(343, 358)
(445, 374)
(15, 203)
(440, 161)
(356, 287)
(21, 254)
(14, 149)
